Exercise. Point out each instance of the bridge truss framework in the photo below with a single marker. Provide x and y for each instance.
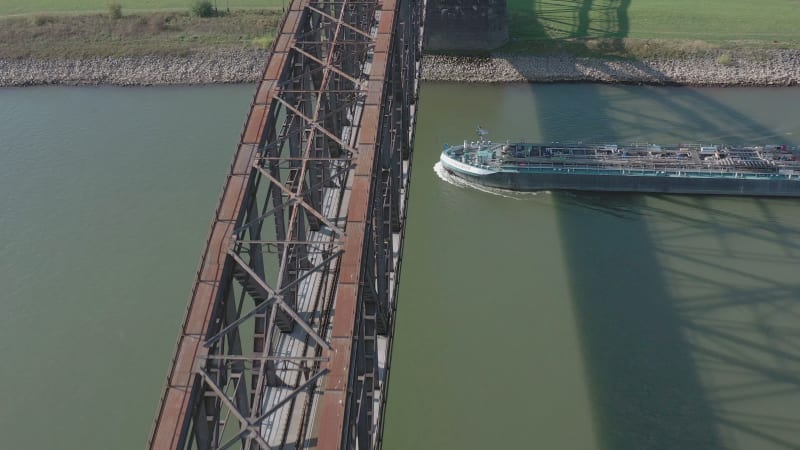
(286, 340)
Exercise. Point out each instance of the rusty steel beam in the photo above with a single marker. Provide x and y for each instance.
(321, 168)
(348, 416)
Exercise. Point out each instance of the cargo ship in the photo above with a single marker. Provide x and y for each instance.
(753, 170)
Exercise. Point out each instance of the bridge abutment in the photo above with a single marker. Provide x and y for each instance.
(465, 25)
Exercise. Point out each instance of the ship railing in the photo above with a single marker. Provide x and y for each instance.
(639, 164)
(651, 170)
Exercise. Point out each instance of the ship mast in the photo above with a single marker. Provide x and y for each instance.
(481, 136)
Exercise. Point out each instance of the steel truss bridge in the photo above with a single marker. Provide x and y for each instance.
(287, 336)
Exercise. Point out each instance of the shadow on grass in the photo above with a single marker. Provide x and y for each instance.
(587, 28)
(565, 19)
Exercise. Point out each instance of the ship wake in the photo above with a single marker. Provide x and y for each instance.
(446, 176)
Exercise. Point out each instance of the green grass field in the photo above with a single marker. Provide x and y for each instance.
(147, 33)
(707, 20)
(8, 7)
(600, 28)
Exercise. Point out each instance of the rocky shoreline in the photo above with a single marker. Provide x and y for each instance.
(764, 68)
(238, 66)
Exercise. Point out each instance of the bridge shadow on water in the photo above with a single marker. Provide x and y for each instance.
(687, 310)
(687, 307)
(644, 386)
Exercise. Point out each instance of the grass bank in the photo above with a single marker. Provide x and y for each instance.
(659, 42)
(650, 28)
(630, 29)
(171, 33)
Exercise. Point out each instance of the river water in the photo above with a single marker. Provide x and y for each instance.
(548, 320)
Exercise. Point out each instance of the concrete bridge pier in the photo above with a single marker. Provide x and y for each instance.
(465, 25)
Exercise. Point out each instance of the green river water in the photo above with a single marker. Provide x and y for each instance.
(547, 321)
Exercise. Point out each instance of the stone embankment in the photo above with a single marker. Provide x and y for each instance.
(767, 68)
(239, 66)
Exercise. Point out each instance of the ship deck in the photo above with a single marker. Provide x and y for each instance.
(693, 160)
